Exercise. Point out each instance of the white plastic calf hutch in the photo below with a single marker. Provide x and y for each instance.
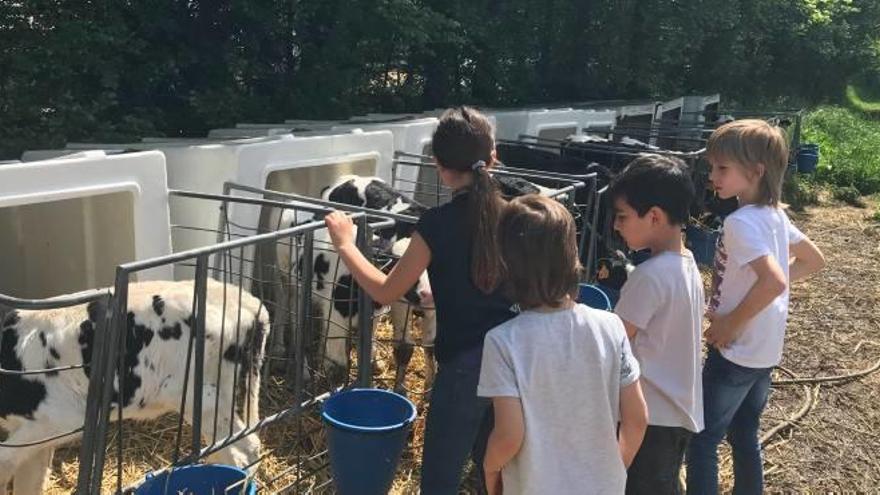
(69, 222)
(696, 108)
(669, 112)
(237, 133)
(410, 136)
(550, 124)
(301, 165)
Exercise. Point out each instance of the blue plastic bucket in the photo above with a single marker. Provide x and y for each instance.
(366, 433)
(594, 297)
(198, 479)
(639, 257)
(807, 161)
(702, 243)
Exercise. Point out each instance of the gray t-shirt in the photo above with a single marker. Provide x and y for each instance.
(663, 298)
(567, 368)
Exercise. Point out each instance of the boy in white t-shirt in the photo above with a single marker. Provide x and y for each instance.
(661, 306)
(759, 255)
(561, 375)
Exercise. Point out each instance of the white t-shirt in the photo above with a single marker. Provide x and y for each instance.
(750, 233)
(567, 368)
(663, 298)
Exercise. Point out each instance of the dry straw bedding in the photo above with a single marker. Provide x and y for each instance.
(820, 437)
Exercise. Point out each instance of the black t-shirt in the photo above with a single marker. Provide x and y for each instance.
(464, 313)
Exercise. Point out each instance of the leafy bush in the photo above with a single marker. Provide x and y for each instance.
(849, 144)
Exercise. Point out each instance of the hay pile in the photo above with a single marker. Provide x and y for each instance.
(820, 437)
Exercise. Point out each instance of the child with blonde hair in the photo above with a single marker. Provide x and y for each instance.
(760, 253)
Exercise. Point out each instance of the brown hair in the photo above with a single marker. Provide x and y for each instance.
(751, 142)
(463, 139)
(539, 251)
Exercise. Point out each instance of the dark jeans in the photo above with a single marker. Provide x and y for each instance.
(734, 397)
(457, 427)
(657, 464)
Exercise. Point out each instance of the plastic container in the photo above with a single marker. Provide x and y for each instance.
(366, 434)
(594, 297)
(808, 158)
(198, 479)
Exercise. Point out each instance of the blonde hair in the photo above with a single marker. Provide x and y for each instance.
(750, 143)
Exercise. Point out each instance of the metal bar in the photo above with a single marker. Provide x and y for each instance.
(226, 246)
(42, 371)
(508, 170)
(327, 206)
(246, 200)
(65, 301)
(263, 423)
(594, 240)
(198, 330)
(365, 312)
(41, 441)
(304, 317)
(91, 421)
(501, 166)
(189, 356)
(118, 328)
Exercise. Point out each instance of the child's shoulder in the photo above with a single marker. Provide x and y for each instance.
(750, 213)
(755, 219)
(659, 268)
(597, 320)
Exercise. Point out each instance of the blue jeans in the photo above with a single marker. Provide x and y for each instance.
(457, 427)
(734, 397)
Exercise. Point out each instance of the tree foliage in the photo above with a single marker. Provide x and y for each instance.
(80, 70)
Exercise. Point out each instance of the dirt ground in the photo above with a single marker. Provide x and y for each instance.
(831, 445)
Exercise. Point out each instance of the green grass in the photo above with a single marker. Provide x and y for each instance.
(849, 142)
(854, 99)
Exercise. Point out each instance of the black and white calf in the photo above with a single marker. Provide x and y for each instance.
(159, 321)
(334, 303)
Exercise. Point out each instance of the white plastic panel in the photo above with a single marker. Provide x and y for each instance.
(69, 222)
(327, 156)
(411, 136)
(205, 165)
(551, 124)
(237, 133)
(670, 111)
(597, 119)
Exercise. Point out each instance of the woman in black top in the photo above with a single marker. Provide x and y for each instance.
(457, 243)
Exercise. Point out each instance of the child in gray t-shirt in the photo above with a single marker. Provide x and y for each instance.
(561, 375)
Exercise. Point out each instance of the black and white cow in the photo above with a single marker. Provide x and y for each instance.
(334, 304)
(159, 320)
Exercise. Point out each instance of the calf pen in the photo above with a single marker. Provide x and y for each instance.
(115, 454)
(206, 333)
(416, 176)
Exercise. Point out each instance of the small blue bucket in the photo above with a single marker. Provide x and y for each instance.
(366, 434)
(808, 158)
(198, 479)
(594, 297)
(702, 243)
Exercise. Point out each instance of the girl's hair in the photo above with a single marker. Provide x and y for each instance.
(464, 141)
(539, 251)
(750, 142)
